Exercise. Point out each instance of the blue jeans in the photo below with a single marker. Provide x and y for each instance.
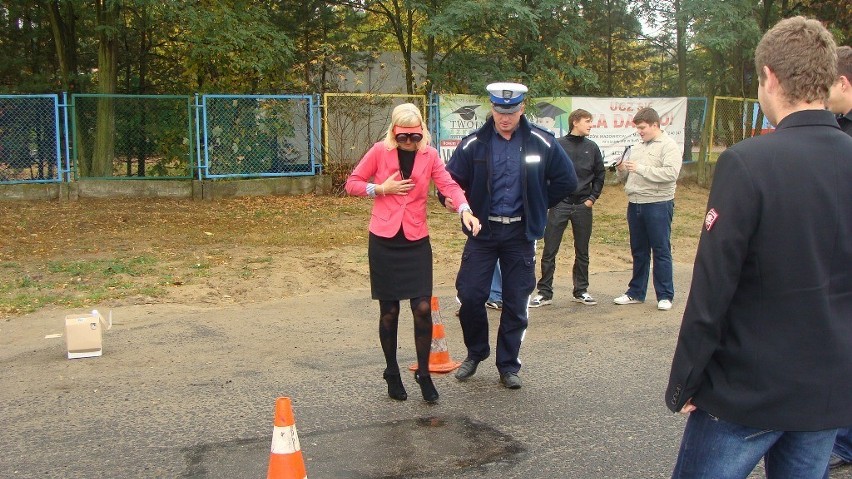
(650, 226)
(496, 285)
(716, 449)
(843, 444)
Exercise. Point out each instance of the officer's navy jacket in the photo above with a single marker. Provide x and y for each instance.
(766, 337)
(547, 175)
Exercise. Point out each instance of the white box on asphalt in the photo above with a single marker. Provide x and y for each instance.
(84, 334)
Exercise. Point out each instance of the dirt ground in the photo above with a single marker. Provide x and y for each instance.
(222, 306)
(116, 252)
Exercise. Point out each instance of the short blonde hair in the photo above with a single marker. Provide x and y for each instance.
(803, 55)
(407, 115)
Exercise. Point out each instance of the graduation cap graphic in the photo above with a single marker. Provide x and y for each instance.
(467, 112)
(548, 110)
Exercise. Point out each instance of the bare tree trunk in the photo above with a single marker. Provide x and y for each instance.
(104, 149)
(680, 39)
(63, 27)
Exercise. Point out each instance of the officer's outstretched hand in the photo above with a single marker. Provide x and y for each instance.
(471, 222)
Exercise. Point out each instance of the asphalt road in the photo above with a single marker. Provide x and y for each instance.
(185, 391)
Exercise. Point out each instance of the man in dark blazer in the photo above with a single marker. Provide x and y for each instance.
(764, 355)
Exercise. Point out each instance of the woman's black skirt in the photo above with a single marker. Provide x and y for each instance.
(400, 268)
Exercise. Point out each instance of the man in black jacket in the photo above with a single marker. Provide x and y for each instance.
(764, 355)
(576, 208)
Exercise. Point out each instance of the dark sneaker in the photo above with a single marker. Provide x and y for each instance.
(539, 301)
(467, 369)
(494, 304)
(585, 298)
(510, 380)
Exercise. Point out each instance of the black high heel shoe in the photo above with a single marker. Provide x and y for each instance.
(430, 394)
(395, 388)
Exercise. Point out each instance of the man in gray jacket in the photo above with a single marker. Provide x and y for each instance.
(651, 173)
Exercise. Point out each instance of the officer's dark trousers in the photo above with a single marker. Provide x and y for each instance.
(509, 244)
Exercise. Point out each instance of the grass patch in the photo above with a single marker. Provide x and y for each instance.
(135, 266)
(72, 283)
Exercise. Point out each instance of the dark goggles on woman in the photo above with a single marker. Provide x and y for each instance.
(404, 134)
(406, 137)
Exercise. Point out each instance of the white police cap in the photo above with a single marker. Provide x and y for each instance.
(506, 97)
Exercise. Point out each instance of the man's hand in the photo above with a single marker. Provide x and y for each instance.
(688, 407)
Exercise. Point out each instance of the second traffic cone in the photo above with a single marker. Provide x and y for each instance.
(439, 356)
(285, 459)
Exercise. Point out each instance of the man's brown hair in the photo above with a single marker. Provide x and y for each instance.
(803, 55)
(646, 115)
(844, 62)
(578, 115)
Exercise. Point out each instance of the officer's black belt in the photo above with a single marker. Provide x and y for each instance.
(505, 219)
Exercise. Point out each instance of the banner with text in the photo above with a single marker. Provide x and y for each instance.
(612, 119)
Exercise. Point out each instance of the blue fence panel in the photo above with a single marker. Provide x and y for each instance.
(30, 139)
(121, 136)
(257, 136)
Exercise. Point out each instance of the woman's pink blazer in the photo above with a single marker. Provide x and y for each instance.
(391, 211)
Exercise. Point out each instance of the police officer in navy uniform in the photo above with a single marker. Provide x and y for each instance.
(511, 172)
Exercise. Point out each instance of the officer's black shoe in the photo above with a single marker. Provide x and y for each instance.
(467, 369)
(510, 380)
(427, 387)
(395, 388)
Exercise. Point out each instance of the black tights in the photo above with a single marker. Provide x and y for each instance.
(421, 308)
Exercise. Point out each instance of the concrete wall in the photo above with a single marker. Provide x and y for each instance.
(194, 189)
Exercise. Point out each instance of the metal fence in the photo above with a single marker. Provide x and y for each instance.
(352, 123)
(221, 136)
(696, 112)
(30, 139)
(132, 136)
(257, 135)
(733, 120)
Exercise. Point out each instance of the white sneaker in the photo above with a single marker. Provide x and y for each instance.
(539, 300)
(664, 305)
(585, 298)
(625, 299)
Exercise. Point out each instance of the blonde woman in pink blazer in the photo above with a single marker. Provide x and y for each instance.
(396, 173)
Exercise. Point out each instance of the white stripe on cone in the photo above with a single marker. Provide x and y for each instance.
(439, 345)
(285, 440)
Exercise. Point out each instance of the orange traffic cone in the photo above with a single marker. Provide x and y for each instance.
(439, 356)
(285, 460)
